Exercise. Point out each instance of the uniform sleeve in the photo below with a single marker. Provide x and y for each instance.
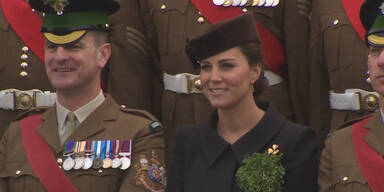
(176, 171)
(325, 168)
(301, 169)
(131, 68)
(147, 171)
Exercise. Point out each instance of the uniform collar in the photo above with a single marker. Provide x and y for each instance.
(255, 140)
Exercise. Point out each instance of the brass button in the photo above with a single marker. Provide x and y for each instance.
(24, 74)
(200, 19)
(25, 49)
(197, 85)
(59, 160)
(163, 6)
(123, 106)
(335, 22)
(18, 172)
(344, 179)
(100, 171)
(24, 65)
(24, 56)
(370, 102)
(107, 26)
(244, 10)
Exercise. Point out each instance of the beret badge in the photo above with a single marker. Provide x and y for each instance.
(58, 5)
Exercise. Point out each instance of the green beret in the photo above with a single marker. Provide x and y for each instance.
(221, 37)
(66, 21)
(372, 18)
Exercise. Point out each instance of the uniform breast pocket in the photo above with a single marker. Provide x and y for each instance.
(339, 38)
(349, 179)
(169, 19)
(96, 180)
(20, 177)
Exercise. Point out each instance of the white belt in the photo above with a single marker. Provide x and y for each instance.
(273, 78)
(354, 99)
(182, 83)
(13, 99)
(188, 83)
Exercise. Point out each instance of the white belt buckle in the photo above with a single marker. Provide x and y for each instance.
(354, 99)
(182, 83)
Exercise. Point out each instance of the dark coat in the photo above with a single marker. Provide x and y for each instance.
(204, 161)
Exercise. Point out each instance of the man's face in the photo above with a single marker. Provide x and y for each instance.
(376, 68)
(77, 65)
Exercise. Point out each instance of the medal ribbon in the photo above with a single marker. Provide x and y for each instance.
(97, 148)
(117, 148)
(108, 149)
(69, 147)
(103, 144)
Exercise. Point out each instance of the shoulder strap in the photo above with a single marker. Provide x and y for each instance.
(25, 23)
(370, 161)
(274, 54)
(41, 159)
(352, 10)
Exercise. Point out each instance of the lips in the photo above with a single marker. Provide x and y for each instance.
(63, 69)
(217, 91)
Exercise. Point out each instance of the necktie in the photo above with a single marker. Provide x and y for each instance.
(70, 126)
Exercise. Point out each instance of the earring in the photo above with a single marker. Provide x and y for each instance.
(368, 80)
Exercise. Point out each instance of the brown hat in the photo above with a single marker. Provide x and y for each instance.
(222, 36)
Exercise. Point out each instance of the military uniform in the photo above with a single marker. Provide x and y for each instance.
(170, 22)
(108, 122)
(338, 57)
(339, 166)
(14, 75)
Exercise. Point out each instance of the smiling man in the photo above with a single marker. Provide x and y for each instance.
(86, 142)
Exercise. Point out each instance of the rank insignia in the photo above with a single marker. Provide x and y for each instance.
(150, 173)
(155, 125)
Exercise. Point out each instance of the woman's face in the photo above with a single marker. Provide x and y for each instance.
(227, 78)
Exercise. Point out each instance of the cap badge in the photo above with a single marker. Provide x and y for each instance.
(382, 8)
(58, 5)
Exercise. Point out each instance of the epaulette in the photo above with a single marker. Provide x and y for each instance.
(353, 121)
(32, 111)
(349, 123)
(154, 125)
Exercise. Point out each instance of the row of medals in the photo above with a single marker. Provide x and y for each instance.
(87, 159)
(246, 3)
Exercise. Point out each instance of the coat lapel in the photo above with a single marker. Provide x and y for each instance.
(48, 129)
(375, 136)
(95, 122)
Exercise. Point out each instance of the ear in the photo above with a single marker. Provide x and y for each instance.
(255, 72)
(104, 53)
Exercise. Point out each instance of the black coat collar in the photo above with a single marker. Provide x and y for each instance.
(255, 140)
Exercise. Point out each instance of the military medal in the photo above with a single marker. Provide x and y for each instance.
(275, 3)
(79, 156)
(68, 162)
(218, 2)
(243, 2)
(88, 160)
(97, 162)
(116, 163)
(236, 2)
(261, 2)
(125, 152)
(268, 3)
(107, 162)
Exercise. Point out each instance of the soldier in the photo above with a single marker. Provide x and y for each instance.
(283, 28)
(24, 83)
(352, 157)
(85, 142)
(339, 91)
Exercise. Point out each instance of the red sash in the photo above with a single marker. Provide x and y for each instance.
(274, 54)
(352, 8)
(370, 161)
(26, 24)
(41, 159)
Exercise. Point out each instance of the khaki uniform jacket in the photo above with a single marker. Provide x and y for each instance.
(339, 169)
(170, 22)
(10, 52)
(338, 60)
(108, 122)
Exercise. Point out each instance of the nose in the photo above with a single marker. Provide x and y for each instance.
(215, 74)
(61, 54)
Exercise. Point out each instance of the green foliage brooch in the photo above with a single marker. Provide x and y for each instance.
(262, 172)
